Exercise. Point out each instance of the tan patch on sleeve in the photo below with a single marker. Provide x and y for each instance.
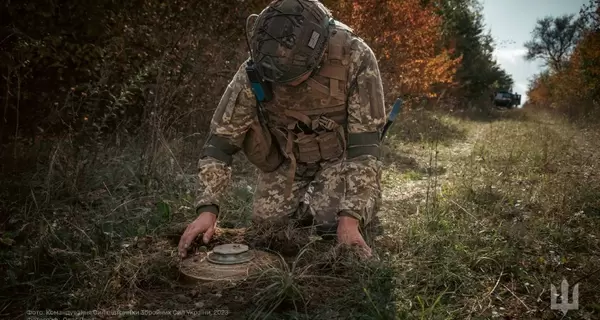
(236, 109)
(366, 104)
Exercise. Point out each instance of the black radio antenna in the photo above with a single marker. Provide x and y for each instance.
(246, 32)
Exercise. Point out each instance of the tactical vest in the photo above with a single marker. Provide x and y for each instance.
(308, 120)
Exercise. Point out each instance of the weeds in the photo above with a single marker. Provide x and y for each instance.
(498, 235)
(474, 227)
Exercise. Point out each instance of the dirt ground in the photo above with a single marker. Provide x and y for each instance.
(480, 216)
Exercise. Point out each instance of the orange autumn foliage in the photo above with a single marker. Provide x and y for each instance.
(405, 35)
(587, 58)
(574, 90)
(539, 90)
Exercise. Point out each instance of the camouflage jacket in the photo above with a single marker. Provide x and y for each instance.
(365, 110)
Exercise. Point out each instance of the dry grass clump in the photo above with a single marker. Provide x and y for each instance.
(479, 218)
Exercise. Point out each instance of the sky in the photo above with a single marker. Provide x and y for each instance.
(510, 22)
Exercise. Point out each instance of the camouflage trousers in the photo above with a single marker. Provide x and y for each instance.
(316, 196)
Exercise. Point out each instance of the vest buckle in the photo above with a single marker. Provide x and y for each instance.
(327, 123)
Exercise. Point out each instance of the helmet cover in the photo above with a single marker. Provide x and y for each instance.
(289, 39)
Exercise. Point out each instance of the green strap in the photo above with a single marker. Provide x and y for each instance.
(210, 151)
(363, 150)
(365, 143)
(223, 143)
(363, 139)
(220, 148)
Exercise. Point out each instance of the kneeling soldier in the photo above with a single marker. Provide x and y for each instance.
(307, 109)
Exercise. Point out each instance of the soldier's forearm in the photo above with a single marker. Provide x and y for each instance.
(362, 187)
(214, 177)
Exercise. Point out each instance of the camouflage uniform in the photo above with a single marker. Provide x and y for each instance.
(325, 189)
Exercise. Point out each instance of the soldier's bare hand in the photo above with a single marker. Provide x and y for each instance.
(205, 224)
(349, 234)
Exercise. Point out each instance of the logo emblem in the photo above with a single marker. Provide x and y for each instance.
(312, 43)
(564, 304)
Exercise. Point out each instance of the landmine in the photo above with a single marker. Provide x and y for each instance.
(232, 261)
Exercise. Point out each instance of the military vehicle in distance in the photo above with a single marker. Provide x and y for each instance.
(517, 99)
(506, 99)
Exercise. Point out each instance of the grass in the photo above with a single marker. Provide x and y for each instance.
(412, 175)
(506, 223)
(479, 218)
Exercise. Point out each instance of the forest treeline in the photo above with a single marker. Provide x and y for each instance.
(569, 46)
(93, 68)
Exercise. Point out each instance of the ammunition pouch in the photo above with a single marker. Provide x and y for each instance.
(324, 144)
(308, 148)
(330, 145)
(261, 148)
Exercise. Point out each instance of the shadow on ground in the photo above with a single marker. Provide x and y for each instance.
(492, 114)
(401, 162)
(425, 126)
(395, 158)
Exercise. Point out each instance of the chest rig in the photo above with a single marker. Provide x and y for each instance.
(308, 120)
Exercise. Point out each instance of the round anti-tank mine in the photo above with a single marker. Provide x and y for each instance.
(232, 261)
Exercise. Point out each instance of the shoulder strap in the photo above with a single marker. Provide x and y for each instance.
(336, 43)
(341, 25)
(335, 67)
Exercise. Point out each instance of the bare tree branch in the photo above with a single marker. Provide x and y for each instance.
(553, 40)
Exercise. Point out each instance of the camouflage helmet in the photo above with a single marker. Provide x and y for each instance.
(289, 39)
